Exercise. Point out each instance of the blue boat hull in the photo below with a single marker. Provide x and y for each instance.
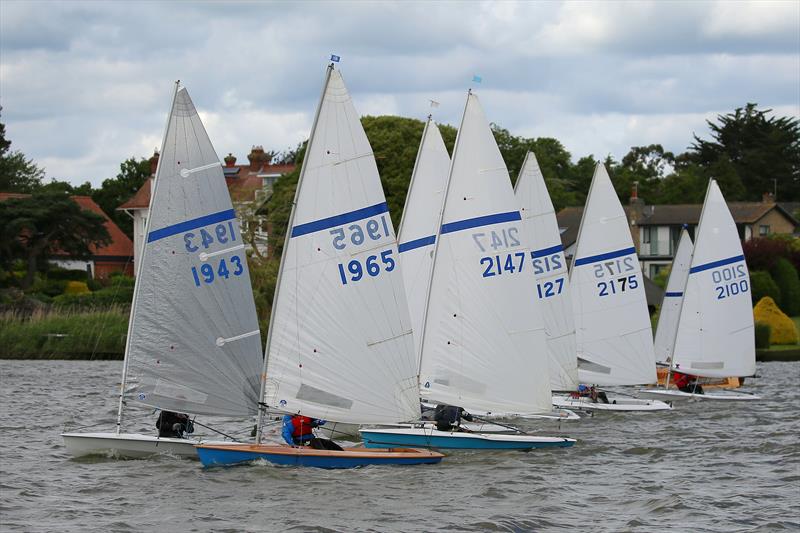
(448, 442)
(226, 457)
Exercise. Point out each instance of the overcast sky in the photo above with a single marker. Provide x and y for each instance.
(86, 85)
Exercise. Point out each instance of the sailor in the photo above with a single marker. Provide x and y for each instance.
(597, 395)
(686, 383)
(298, 430)
(174, 425)
(448, 417)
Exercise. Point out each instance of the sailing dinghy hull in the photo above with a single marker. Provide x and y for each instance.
(231, 454)
(673, 395)
(457, 440)
(127, 445)
(616, 403)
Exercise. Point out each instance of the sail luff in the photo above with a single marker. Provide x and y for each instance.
(438, 241)
(551, 276)
(136, 288)
(312, 134)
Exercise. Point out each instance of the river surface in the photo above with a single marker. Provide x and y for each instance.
(702, 467)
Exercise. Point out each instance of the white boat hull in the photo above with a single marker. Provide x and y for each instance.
(616, 403)
(674, 395)
(343, 431)
(127, 445)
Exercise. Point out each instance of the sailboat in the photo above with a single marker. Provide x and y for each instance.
(340, 344)
(612, 325)
(552, 277)
(483, 342)
(193, 341)
(673, 298)
(714, 336)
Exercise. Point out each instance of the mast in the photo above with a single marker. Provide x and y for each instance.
(124, 379)
(262, 407)
(438, 240)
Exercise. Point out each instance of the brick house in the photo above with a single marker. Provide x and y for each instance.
(656, 228)
(116, 256)
(249, 185)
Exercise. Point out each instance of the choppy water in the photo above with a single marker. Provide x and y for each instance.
(702, 467)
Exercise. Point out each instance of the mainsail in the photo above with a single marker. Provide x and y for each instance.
(193, 341)
(340, 345)
(418, 228)
(612, 325)
(550, 268)
(715, 330)
(483, 345)
(673, 298)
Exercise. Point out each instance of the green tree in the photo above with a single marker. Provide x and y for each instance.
(35, 227)
(761, 285)
(785, 276)
(17, 172)
(755, 147)
(116, 191)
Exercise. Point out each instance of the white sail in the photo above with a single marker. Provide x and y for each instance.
(483, 346)
(418, 228)
(673, 298)
(193, 342)
(612, 325)
(340, 345)
(550, 269)
(715, 330)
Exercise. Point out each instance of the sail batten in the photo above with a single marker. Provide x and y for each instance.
(612, 323)
(715, 332)
(550, 273)
(483, 345)
(340, 344)
(193, 288)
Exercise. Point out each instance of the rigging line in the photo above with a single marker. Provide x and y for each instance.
(499, 424)
(215, 430)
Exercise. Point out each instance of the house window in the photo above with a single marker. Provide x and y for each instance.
(654, 270)
(650, 237)
(763, 230)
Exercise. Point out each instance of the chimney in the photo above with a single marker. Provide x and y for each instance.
(636, 209)
(230, 160)
(767, 198)
(154, 163)
(258, 158)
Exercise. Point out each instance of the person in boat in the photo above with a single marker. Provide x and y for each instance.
(174, 425)
(592, 393)
(448, 417)
(298, 430)
(686, 383)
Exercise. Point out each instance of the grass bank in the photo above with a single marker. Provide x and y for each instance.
(64, 334)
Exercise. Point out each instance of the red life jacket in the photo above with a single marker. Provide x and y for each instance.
(301, 426)
(680, 380)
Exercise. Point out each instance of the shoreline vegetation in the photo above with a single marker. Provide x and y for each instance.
(59, 333)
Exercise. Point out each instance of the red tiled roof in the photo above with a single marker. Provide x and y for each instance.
(140, 200)
(242, 184)
(120, 246)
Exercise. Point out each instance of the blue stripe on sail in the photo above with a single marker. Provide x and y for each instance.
(715, 264)
(189, 225)
(548, 251)
(602, 257)
(673, 294)
(416, 243)
(477, 222)
(338, 220)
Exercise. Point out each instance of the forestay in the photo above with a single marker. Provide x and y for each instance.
(612, 325)
(340, 344)
(484, 342)
(418, 228)
(194, 342)
(550, 269)
(673, 298)
(715, 329)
